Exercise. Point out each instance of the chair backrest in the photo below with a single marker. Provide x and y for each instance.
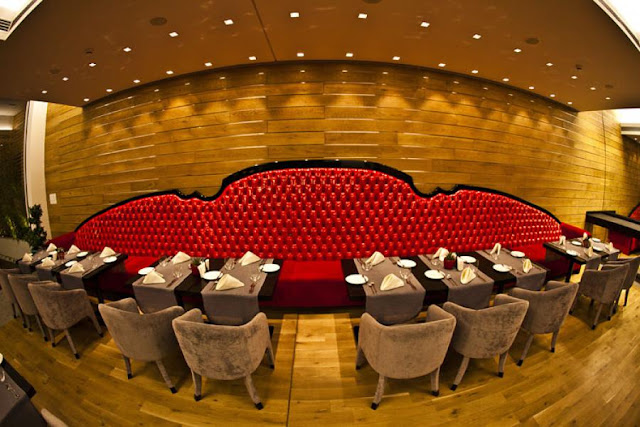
(219, 351)
(4, 282)
(634, 264)
(19, 285)
(58, 307)
(604, 285)
(147, 337)
(409, 350)
(488, 332)
(548, 308)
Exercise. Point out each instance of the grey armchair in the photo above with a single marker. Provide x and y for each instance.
(405, 351)
(223, 352)
(61, 309)
(8, 292)
(486, 333)
(603, 286)
(147, 337)
(634, 264)
(547, 311)
(19, 285)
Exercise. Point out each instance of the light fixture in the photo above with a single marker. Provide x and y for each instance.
(303, 71)
(173, 34)
(109, 90)
(252, 58)
(485, 88)
(608, 98)
(300, 54)
(92, 64)
(136, 81)
(156, 90)
(396, 58)
(169, 72)
(477, 36)
(442, 65)
(349, 54)
(517, 50)
(228, 22)
(553, 95)
(44, 92)
(455, 82)
(474, 71)
(424, 24)
(208, 64)
(294, 14)
(385, 72)
(506, 79)
(344, 71)
(127, 49)
(65, 79)
(549, 64)
(362, 15)
(531, 87)
(86, 100)
(593, 88)
(222, 77)
(570, 102)
(574, 77)
(261, 73)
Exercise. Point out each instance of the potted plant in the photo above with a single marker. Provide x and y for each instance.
(33, 233)
(195, 262)
(450, 261)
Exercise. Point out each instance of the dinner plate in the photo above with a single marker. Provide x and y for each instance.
(434, 274)
(356, 279)
(468, 259)
(598, 248)
(212, 275)
(576, 243)
(145, 271)
(572, 253)
(406, 263)
(270, 268)
(595, 239)
(70, 263)
(110, 259)
(501, 268)
(82, 254)
(517, 254)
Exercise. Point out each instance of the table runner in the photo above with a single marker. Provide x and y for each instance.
(16, 409)
(46, 273)
(533, 280)
(25, 267)
(475, 294)
(75, 280)
(154, 297)
(235, 306)
(396, 305)
(592, 263)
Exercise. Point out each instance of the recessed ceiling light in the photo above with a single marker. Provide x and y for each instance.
(228, 22)
(173, 34)
(303, 71)
(156, 90)
(424, 24)
(531, 87)
(294, 14)
(44, 92)
(608, 98)
(549, 64)
(510, 94)
(261, 73)
(127, 49)
(349, 54)
(65, 79)
(477, 36)
(222, 77)
(455, 82)
(396, 58)
(485, 88)
(344, 71)
(574, 77)
(92, 64)
(300, 54)
(553, 95)
(517, 50)
(86, 100)
(252, 58)
(208, 64)
(385, 72)
(593, 88)
(474, 71)
(169, 72)
(362, 15)
(570, 102)
(506, 79)
(109, 90)
(136, 81)
(442, 65)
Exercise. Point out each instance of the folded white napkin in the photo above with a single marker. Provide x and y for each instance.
(47, 262)
(27, 257)
(202, 268)
(375, 259)
(73, 249)
(76, 268)
(180, 257)
(153, 277)
(611, 248)
(441, 254)
(527, 265)
(467, 276)
(51, 247)
(228, 282)
(107, 251)
(460, 263)
(590, 251)
(585, 236)
(496, 249)
(249, 258)
(54, 256)
(563, 239)
(391, 281)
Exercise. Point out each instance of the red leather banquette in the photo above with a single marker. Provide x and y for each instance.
(319, 211)
(625, 243)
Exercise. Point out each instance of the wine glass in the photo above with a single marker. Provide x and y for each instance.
(230, 264)
(404, 274)
(367, 266)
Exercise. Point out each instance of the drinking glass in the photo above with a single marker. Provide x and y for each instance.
(404, 274)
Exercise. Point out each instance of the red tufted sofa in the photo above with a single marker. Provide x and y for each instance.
(313, 214)
(625, 243)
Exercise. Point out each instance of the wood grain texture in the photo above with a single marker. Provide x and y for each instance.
(443, 129)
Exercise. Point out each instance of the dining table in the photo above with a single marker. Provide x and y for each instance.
(94, 266)
(575, 253)
(16, 408)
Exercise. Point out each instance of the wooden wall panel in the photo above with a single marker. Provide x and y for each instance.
(190, 132)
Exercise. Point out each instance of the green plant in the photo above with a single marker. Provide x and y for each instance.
(196, 261)
(33, 233)
(450, 256)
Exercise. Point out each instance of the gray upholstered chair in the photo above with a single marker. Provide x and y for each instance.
(223, 352)
(8, 292)
(61, 309)
(19, 285)
(547, 311)
(634, 264)
(486, 333)
(52, 420)
(148, 337)
(603, 287)
(405, 351)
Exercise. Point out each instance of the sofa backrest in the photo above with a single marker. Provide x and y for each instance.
(310, 212)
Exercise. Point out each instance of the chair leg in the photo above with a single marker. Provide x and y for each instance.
(165, 376)
(503, 359)
(592, 302)
(526, 349)
(91, 315)
(575, 302)
(70, 340)
(127, 364)
(52, 337)
(44, 335)
(13, 308)
(197, 386)
(28, 321)
(253, 393)
(270, 356)
(461, 371)
(595, 320)
(611, 308)
(626, 296)
(360, 358)
(24, 319)
(379, 392)
(435, 382)
(554, 338)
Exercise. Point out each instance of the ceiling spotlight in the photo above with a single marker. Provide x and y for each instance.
(506, 79)
(549, 64)
(109, 90)
(222, 77)
(44, 92)
(442, 65)
(127, 49)
(553, 95)
(92, 64)
(574, 77)
(570, 102)
(208, 64)
(156, 90)
(531, 87)
(65, 79)
(294, 14)
(303, 71)
(477, 36)
(474, 71)
(228, 22)
(349, 54)
(300, 54)
(252, 58)
(593, 88)
(455, 82)
(362, 15)
(424, 24)
(345, 71)
(169, 72)
(173, 34)
(261, 73)
(86, 100)
(517, 50)
(136, 81)
(608, 98)
(396, 58)
(385, 72)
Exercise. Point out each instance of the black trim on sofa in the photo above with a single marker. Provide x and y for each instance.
(308, 164)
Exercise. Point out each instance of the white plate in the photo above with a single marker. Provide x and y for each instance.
(517, 254)
(434, 274)
(145, 271)
(110, 259)
(468, 259)
(212, 275)
(501, 268)
(598, 248)
(70, 263)
(572, 253)
(270, 268)
(576, 243)
(406, 263)
(595, 239)
(82, 254)
(356, 279)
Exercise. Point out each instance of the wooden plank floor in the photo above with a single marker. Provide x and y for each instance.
(592, 379)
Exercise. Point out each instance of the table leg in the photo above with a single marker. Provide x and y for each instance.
(569, 272)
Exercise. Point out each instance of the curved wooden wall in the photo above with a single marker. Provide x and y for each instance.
(190, 132)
